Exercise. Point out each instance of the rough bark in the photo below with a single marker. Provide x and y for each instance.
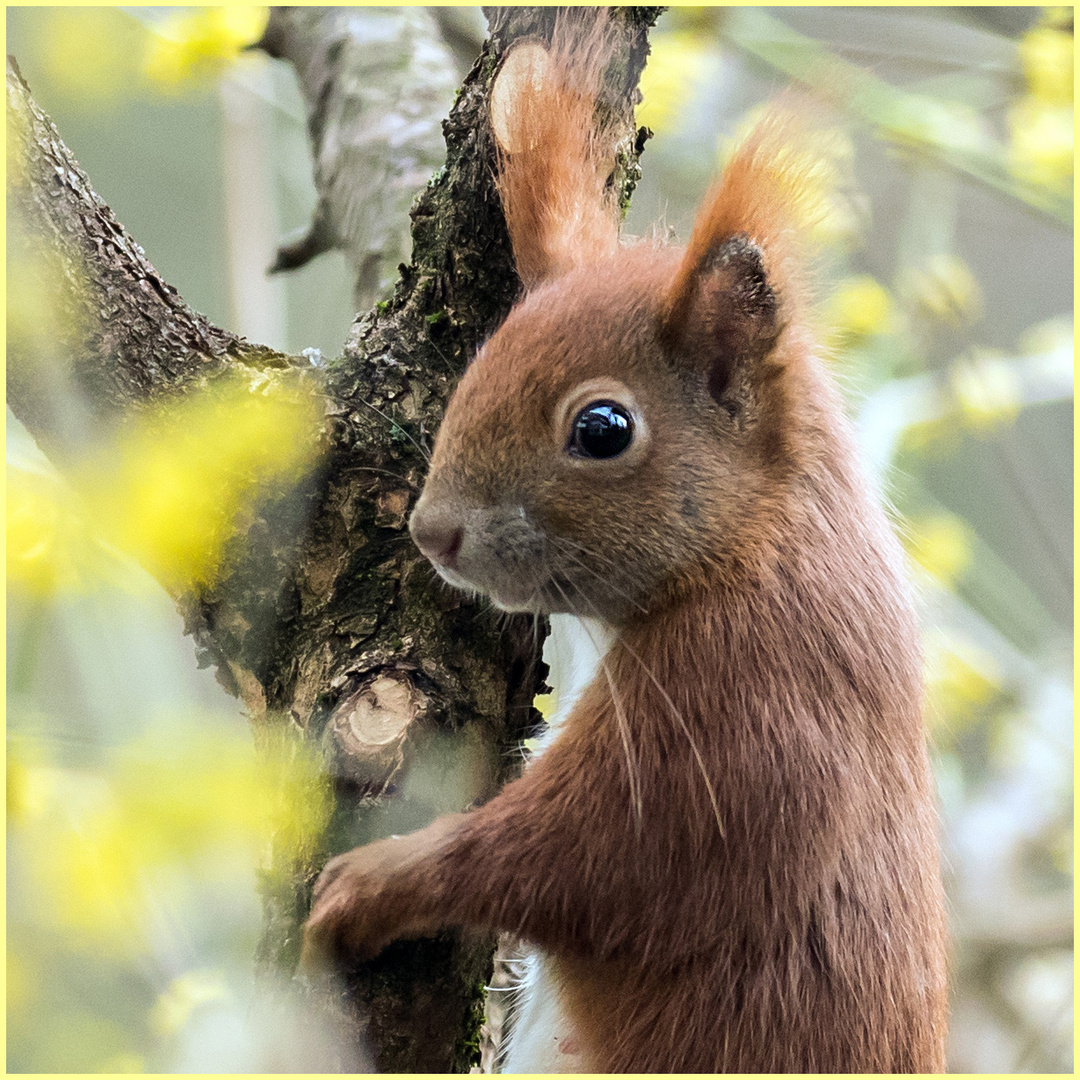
(326, 622)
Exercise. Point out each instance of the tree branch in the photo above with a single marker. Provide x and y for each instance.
(109, 332)
(375, 83)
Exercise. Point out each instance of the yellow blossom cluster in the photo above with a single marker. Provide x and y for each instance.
(677, 63)
(196, 44)
(177, 486)
(1041, 120)
(120, 856)
(97, 56)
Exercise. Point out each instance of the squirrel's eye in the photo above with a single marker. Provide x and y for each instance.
(603, 429)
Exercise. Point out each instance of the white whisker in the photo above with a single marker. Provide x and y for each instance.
(622, 724)
(599, 577)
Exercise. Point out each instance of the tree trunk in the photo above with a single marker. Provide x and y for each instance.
(325, 621)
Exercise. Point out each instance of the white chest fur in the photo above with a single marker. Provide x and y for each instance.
(541, 1040)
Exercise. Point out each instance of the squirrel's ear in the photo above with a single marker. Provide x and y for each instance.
(726, 312)
(554, 157)
(740, 280)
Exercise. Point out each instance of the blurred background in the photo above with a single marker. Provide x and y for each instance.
(138, 812)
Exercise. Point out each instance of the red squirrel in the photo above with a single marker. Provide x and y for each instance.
(728, 852)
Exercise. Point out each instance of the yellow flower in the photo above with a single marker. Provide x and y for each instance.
(185, 479)
(32, 785)
(1041, 142)
(41, 534)
(987, 389)
(88, 53)
(961, 680)
(1049, 336)
(1046, 56)
(197, 45)
(52, 546)
(938, 437)
(944, 289)
(183, 996)
(858, 308)
(941, 544)
(164, 817)
(677, 62)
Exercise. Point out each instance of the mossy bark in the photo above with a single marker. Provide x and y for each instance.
(326, 614)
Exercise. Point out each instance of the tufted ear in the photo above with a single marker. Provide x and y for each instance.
(554, 156)
(740, 281)
(727, 314)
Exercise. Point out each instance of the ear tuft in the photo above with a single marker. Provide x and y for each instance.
(740, 280)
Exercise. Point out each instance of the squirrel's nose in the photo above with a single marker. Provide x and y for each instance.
(438, 533)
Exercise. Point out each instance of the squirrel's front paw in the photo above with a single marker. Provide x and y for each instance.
(353, 912)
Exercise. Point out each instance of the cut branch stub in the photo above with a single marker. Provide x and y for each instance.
(369, 729)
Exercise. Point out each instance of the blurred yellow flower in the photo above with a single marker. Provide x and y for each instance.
(941, 544)
(858, 308)
(1041, 142)
(1048, 336)
(51, 547)
(987, 390)
(195, 45)
(940, 436)
(89, 54)
(114, 845)
(677, 62)
(1041, 121)
(172, 492)
(944, 289)
(32, 785)
(1046, 55)
(183, 479)
(961, 680)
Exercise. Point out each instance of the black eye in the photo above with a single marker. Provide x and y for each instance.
(603, 429)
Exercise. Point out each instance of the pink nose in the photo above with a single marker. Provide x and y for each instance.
(438, 534)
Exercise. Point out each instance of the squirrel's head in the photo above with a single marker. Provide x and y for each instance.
(595, 451)
(624, 429)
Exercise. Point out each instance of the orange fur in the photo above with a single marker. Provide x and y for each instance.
(762, 194)
(729, 850)
(552, 184)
